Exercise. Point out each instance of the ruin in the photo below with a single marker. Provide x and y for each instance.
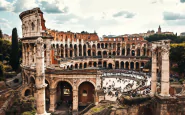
(66, 66)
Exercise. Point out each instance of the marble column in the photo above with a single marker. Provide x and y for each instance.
(165, 71)
(154, 74)
(40, 79)
(52, 99)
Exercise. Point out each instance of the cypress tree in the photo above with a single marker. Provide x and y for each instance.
(1, 34)
(14, 56)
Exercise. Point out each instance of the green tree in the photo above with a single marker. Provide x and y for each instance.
(173, 38)
(14, 57)
(1, 71)
(1, 34)
(177, 56)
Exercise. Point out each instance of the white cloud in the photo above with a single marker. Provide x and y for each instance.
(77, 15)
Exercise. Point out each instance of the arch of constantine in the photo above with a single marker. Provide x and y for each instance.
(65, 66)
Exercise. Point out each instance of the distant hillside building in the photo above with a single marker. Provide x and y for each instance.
(7, 37)
(152, 32)
(182, 34)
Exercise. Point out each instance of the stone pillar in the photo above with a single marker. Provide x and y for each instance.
(40, 79)
(52, 99)
(23, 55)
(27, 55)
(75, 100)
(48, 46)
(165, 70)
(34, 55)
(154, 74)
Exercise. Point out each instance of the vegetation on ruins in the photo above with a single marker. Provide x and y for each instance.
(177, 57)
(177, 51)
(14, 56)
(173, 38)
(1, 71)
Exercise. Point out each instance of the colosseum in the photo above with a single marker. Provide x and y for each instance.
(65, 66)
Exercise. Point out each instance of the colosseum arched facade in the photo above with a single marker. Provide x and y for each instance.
(75, 60)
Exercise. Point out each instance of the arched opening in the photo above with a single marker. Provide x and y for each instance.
(71, 53)
(132, 65)
(99, 53)
(142, 64)
(86, 94)
(80, 65)
(137, 66)
(90, 64)
(62, 51)
(84, 50)
(85, 65)
(94, 53)
(71, 67)
(47, 93)
(80, 50)
(89, 52)
(27, 92)
(32, 82)
(106, 45)
(104, 53)
(127, 65)
(104, 64)
(32, 26)
(100, 64)
(117, 65)
(128, 51)
(123, 52)
(145, 111)
(102, 45)
(109, 66)
(114, 53)
(16, 80)
(94, 64)
(98, 45)
(66, 50)
(76, 66)
(133, 53)
(144, 51)
(122, 65)
(138, 52)
(64, 94)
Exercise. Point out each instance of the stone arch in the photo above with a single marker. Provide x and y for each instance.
(54, 85)
(85, 80)
(24, 90)
(133, 52)
(122, 65)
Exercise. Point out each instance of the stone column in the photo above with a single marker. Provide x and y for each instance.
(23, 55)
(154, 74)
(40, 79)
(34, 55)
(48, 46)
(27, 56)
(165, 70)
(52, 99)
(75, 100)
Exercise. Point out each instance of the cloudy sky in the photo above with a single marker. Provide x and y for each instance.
(103, 16)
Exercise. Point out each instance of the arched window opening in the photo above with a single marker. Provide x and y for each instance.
(84, 93)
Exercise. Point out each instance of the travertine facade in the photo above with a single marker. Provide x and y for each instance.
(70, 63)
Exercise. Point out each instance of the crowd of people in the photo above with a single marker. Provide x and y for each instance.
(130, 83)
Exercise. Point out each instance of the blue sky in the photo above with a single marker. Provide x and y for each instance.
(104, 16)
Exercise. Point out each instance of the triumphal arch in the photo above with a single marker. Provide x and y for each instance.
(66, 66)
